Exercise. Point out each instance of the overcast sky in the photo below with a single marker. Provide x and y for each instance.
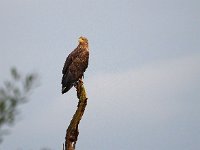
(142, 81)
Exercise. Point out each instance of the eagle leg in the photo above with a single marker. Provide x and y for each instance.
(80, 80)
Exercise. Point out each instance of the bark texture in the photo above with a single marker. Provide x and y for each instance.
(72, 130)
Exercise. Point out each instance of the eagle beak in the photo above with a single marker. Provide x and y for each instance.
(80, 40)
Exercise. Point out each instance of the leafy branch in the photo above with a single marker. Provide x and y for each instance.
(12, 93)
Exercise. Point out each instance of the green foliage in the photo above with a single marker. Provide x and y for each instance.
(13, 93)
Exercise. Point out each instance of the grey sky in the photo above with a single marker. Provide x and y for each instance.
(142, 79)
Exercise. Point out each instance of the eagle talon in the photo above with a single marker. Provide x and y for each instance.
(80, 80)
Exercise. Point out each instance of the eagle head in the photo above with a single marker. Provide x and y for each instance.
(83, 42)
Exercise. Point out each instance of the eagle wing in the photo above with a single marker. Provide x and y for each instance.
(69, 59)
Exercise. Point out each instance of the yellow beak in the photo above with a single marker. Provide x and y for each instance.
(80, 40)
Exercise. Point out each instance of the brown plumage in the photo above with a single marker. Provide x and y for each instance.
(75, 65)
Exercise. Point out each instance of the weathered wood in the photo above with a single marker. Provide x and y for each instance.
(72, 130)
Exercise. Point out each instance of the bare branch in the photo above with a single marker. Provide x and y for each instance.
(72, 130)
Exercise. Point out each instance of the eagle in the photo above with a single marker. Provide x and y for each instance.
(75, 65)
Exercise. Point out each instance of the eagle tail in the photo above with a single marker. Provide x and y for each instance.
(66, 85)
(66, 88)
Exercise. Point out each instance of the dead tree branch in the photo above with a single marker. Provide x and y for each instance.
(72, 130)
